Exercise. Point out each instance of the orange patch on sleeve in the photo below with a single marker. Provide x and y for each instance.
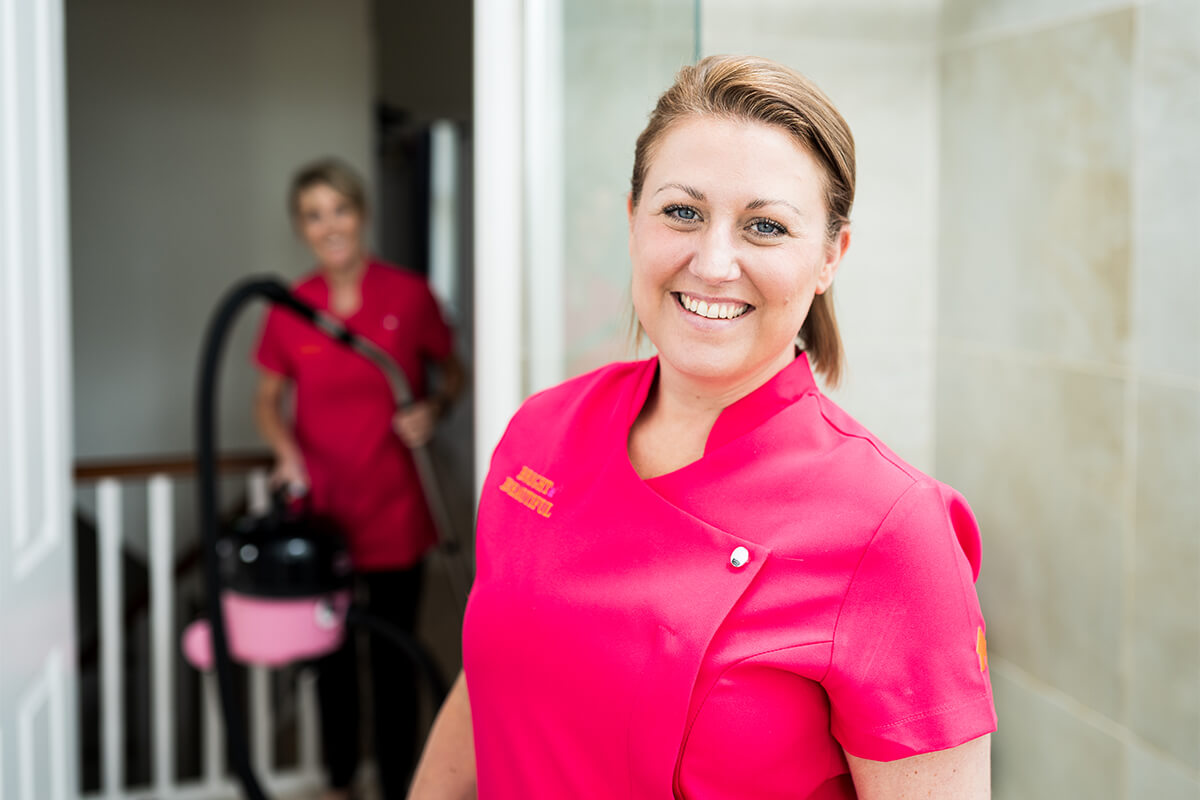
(981, 650)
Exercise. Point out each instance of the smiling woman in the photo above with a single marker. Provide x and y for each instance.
(716, 584)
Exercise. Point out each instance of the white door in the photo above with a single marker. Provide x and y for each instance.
(38, 750)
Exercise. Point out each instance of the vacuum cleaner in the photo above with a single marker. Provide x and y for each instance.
(278, 584)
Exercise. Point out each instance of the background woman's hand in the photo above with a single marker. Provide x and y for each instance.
(414, 425)
(290, 472)
(289, 461)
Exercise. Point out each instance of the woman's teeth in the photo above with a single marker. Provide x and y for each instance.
(713, 310)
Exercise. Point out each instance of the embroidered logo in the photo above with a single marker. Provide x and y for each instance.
(530, 490)
(981, 649)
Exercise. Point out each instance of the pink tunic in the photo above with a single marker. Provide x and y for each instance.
(614, 649)
(361, 473)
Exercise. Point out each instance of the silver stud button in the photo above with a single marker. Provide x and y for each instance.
(739, 556)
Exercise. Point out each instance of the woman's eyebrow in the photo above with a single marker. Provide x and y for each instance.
(763, 203)
(695, 193)
(753, 205)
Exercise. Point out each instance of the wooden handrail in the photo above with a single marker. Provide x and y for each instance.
(95, 469)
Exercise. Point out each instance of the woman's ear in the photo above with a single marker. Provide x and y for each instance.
(834, 252)
(629, 210)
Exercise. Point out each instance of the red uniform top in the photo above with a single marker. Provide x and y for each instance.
(725, 630)
(362, 474)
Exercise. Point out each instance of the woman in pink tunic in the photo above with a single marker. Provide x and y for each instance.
(697, 576)
(347, 447)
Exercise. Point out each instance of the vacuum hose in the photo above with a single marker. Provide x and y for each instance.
(214, 340)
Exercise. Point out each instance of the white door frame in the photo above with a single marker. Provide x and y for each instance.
(518, 192)
(38, 684)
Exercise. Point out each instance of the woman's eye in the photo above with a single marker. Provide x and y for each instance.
(684, 213)
(767, 227)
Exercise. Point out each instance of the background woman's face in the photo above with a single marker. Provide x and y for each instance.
(728, 248)
(331, 227)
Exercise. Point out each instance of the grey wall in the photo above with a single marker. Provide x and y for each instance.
(185, 122)
(1068, 391)
(424, 58)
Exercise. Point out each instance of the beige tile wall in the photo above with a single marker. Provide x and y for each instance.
(1166, 285)
(1036, 157)
(1164, 593)
(1087, 755)
(1068, 380)
(1038, 452)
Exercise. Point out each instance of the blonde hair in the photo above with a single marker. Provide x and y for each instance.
(330, 172)
(759, 90)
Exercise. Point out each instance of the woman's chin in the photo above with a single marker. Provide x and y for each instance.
(702, 365)
(723, 367)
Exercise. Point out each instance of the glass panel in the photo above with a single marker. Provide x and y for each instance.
(617, 58)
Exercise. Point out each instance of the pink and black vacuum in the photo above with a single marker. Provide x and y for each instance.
(278, 583)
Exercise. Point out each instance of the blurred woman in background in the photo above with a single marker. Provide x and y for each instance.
(346, 448)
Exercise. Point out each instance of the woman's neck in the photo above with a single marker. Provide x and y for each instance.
(344, 275)
(345, 287)
(672, 429)
(699, 398)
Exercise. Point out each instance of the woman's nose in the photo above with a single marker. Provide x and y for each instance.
(716, 258)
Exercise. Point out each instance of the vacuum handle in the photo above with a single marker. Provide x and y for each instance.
(401, 392)
(278, 293)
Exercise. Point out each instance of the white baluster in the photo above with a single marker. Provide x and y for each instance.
(162, 625)
(306, 721)
(262, 721)
(214, 735)
(258, 491)
(112, 710)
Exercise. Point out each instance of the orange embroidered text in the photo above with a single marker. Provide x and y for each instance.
(526, 496)
(539, 483)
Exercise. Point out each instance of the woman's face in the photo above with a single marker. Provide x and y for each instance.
(728, 246)
(331, 227)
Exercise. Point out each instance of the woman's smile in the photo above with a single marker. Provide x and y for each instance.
(712, 309)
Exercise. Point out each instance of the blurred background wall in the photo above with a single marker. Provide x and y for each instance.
(185, 123)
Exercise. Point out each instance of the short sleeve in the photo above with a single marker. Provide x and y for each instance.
(437, 340)
(908, 672)
(271, 352)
